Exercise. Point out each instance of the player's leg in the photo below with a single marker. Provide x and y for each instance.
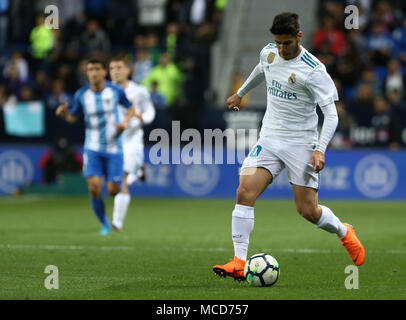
(253, 181)
(306, 201)
(93, 172)
(255, 177)
(324, 218)
(132, 162)
(305, 183)
(95, 188)
(121, 204)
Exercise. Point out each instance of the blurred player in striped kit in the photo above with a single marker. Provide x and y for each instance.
(99, 103)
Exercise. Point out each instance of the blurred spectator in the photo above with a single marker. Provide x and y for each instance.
(348, 65)
(40, 85)
(42, 39)
(142, 66)
(237, 81)
(394, 80)
(399, 35)
(157, 99)
(342, 135)
(60, 159)
(396, 101)
(95, 39)
(58, 95)
(169, 79)
(153, 48)
(379, 44)
(81, 77)
(4, 22)
(330, 35)
(369, 77)
(362, 107)
(171, 40)
(12, 81)
(386, 124)
(26, 94)
(21, 64)
(383, 13)
(192, 102)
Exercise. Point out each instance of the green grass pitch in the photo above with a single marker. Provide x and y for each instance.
(168, 247)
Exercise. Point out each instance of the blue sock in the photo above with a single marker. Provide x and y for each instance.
(98, 209)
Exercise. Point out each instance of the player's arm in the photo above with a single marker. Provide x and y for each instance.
(122, 99)
(124, 124)
(324, 93)
(148, 112)
(326, 134)
(254, 79)
(63, 112)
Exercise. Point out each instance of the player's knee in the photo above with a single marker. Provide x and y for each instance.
(113, 189)
(245, 196)
(309, 212)
(94, 190)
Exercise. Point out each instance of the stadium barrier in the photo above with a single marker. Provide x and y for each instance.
(349, 174)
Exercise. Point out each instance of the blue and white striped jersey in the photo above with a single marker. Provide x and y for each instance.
(102, 114)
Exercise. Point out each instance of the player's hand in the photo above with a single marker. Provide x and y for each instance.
(139, 116)
(62, 110)
(233, 102)
(121, 127)
(317, 158)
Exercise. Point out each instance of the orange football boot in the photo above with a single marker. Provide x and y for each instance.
(353, 245)
(234, 269)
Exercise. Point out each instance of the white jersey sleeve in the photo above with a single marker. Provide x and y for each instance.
(322, 87)
(144, 105)
(254, 79)
(329, 126)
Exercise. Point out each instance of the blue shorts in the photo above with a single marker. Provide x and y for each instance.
(102, 164)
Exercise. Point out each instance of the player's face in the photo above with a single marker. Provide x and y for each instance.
(119, 72)
(95, 73)
(288, 45)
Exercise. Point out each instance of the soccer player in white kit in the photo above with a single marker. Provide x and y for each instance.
(296, 82)
(133, 136)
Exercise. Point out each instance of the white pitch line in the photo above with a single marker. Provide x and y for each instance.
(128, 248)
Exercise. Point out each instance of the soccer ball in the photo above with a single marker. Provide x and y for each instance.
(261, 270)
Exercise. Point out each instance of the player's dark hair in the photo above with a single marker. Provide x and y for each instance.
(286, 23)
(97, 61)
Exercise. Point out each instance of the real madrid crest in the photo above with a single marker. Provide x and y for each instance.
(271, 56)
(292, 78)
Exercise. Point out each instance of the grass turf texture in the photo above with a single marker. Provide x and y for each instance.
(169, 246)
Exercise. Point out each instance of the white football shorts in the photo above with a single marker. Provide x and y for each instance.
(274, 155)
(133, 158)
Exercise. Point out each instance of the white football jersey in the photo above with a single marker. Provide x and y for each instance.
(139, 96)
(294, 88)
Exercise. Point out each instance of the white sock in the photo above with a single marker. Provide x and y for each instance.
(329, 222)
(121, 203)
(242, 225)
